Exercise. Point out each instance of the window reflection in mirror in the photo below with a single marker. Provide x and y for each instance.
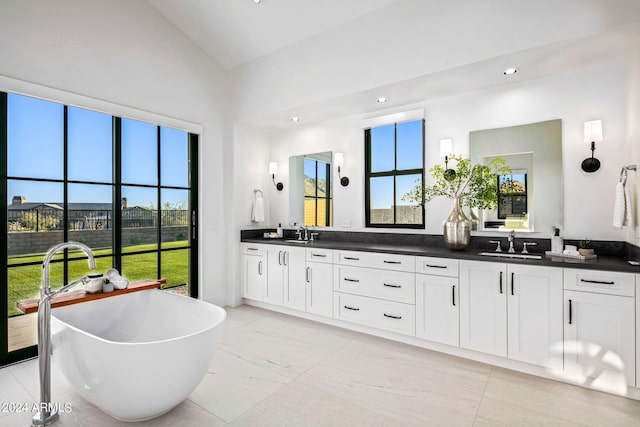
(311, 196)
(531, 197)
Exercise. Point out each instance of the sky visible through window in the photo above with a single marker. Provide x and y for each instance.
(407, 154)
(36, 150)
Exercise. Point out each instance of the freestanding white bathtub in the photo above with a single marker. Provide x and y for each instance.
(138, 355)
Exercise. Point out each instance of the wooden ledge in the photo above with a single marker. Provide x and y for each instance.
(75, 297)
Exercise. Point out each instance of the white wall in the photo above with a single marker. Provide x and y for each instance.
(574, 97)
(633, 138)
(125, 53)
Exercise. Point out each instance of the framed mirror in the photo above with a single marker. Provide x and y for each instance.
(311, 192)
(530, 198)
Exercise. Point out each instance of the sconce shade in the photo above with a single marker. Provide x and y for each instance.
(593, 131)
(273, 171)
(446, 147)
(592, 135)
(273, 168)
(338, 161)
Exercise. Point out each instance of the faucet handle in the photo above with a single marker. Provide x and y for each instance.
(525, 244)
(313, 235)
(499, 247)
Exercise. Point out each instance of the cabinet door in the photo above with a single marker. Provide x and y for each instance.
(535, 315)
(599, 335)
(437, 309)
(295, 294)
(483, 307)
(274, 289)
(319, 277)
(255, 277)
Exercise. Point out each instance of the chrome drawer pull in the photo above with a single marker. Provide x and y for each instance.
(392, 317)
(435, 266)
(392, 262)
(318, 255)
(252, 249)
(598, 282)
(351, 258)
(346, 279)
(351, 308)
(392, 286)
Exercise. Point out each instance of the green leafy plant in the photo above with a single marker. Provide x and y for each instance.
(584, 244)
(474, 185)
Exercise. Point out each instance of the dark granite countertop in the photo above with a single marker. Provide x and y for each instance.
(616, 262)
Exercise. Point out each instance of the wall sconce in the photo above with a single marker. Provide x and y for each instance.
(273, 170)
(592, 134)
(338, 160)
(446, 149)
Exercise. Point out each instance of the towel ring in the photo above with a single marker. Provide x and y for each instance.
(256, 191)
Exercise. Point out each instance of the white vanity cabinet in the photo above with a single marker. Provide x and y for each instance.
(512, 310)
(375, 289)
(483, 307)
(534, 315)
(599, 326)
(318, 277)
(437, 300)
(254, 271)
(638, 330)
(285, 276)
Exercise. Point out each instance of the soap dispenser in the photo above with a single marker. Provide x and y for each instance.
(557, 243)
(279, 231)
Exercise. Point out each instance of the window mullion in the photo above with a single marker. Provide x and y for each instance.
(395, 172)
(159, 215)
(117, 192)
(65, 191)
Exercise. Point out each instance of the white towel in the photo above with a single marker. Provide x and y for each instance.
(623, 206)
(628, 206)
(257, 213)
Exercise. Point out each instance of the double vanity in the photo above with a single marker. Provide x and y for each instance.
(563, 319)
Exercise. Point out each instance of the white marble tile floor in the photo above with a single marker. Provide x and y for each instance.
(277, 370)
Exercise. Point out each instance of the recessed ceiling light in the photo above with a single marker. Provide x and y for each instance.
(382, 100)
(256, 1)
(295, 119)
(510, 71)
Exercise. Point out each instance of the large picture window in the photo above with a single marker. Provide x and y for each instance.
(120, 186)
(394, 164)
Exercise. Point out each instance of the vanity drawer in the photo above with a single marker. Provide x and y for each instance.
(437, 266)
(319, 255)
(390, 316)
(252, 249)
(377, 260)
(599, 281)
(390, 285)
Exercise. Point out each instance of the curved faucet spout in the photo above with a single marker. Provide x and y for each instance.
(48, 257)
(47, 414)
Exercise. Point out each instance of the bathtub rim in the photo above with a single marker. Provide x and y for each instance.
(181, 337)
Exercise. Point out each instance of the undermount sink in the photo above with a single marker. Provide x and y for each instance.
(511, 255)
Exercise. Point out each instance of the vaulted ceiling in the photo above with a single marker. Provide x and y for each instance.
(323, 59)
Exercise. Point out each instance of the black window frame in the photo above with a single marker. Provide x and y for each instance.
(8, 357)
(395, 172)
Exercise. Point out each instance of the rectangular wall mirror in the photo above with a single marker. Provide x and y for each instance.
(530, 198)
(311, 192)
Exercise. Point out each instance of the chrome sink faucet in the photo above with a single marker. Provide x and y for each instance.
(47, 414)
(300, 232)
(512, 235)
